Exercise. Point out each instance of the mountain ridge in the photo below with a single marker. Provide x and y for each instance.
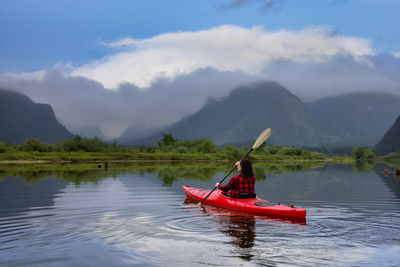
(357, 119)
(21, 118)
(244, 113)
(390, 142)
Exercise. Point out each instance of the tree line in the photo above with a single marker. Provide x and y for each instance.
(167, 144)
(170, 144)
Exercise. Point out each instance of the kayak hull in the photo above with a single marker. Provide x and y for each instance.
(251, 205)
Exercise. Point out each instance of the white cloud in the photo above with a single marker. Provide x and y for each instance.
(224, 48)
(396, 55)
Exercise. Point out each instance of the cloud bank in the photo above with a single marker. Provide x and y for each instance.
(224, 48)
(154, 82)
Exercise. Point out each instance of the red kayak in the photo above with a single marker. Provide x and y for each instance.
(251, 205)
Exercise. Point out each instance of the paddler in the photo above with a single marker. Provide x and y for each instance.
(242, 184)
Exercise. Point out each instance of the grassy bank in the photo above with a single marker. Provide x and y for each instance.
(86, 157)
(93, 150)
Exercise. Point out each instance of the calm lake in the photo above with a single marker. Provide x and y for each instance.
(137, 215)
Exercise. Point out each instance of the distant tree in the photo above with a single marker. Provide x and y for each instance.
(206, 146)
(260, 149)
(273, 149)
(3, 147)
(231, 151)
(167, 140)
(34, 144)
(363, 153)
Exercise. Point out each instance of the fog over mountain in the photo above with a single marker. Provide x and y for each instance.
(151, 83)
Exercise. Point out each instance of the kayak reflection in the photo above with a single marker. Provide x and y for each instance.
(239, 225)
(240, 228)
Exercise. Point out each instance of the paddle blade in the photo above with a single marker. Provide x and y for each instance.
(262, 137)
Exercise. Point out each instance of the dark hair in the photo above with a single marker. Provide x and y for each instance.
(247, 168)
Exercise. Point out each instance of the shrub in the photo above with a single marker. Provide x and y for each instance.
(206, 146)
(33, 144)
(3, 147)
(363, 153)
(273, 149)
(231, 151)
(167, 140)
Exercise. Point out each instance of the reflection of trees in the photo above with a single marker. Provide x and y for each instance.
(168, 172)
(364, 165)
(77, 177)
(168, 176)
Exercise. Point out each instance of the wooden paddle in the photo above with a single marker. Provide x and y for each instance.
(261, 139)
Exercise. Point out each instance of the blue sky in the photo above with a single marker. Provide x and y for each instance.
(117, 63)
(38, 34)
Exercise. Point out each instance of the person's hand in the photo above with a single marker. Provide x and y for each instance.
(217, 184)
(237, 164)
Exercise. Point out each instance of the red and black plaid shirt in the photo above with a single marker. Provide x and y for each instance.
(239, 185)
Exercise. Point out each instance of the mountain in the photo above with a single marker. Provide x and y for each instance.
(357, 119)
(390, 142)
(240, 117)
(21, 118)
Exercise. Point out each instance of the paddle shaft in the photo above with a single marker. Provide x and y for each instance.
(251, 149)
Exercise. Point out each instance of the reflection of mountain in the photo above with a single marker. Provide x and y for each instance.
(18, 196)
(339, 183)
(391, 181)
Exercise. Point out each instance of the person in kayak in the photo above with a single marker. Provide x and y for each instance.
(242, 184)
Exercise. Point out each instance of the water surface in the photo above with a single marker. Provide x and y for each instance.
(140, 216)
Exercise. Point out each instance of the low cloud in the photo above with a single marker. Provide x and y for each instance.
(154, 82)
(78, 101)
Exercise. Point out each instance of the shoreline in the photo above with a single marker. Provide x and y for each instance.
(292, 160)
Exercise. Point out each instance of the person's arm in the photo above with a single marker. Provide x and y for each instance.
(229, 186)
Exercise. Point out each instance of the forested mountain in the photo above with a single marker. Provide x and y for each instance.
(390, 142)
(241, 116)
(21, 118)
(358, 119)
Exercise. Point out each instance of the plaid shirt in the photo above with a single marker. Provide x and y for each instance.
(239, 185)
